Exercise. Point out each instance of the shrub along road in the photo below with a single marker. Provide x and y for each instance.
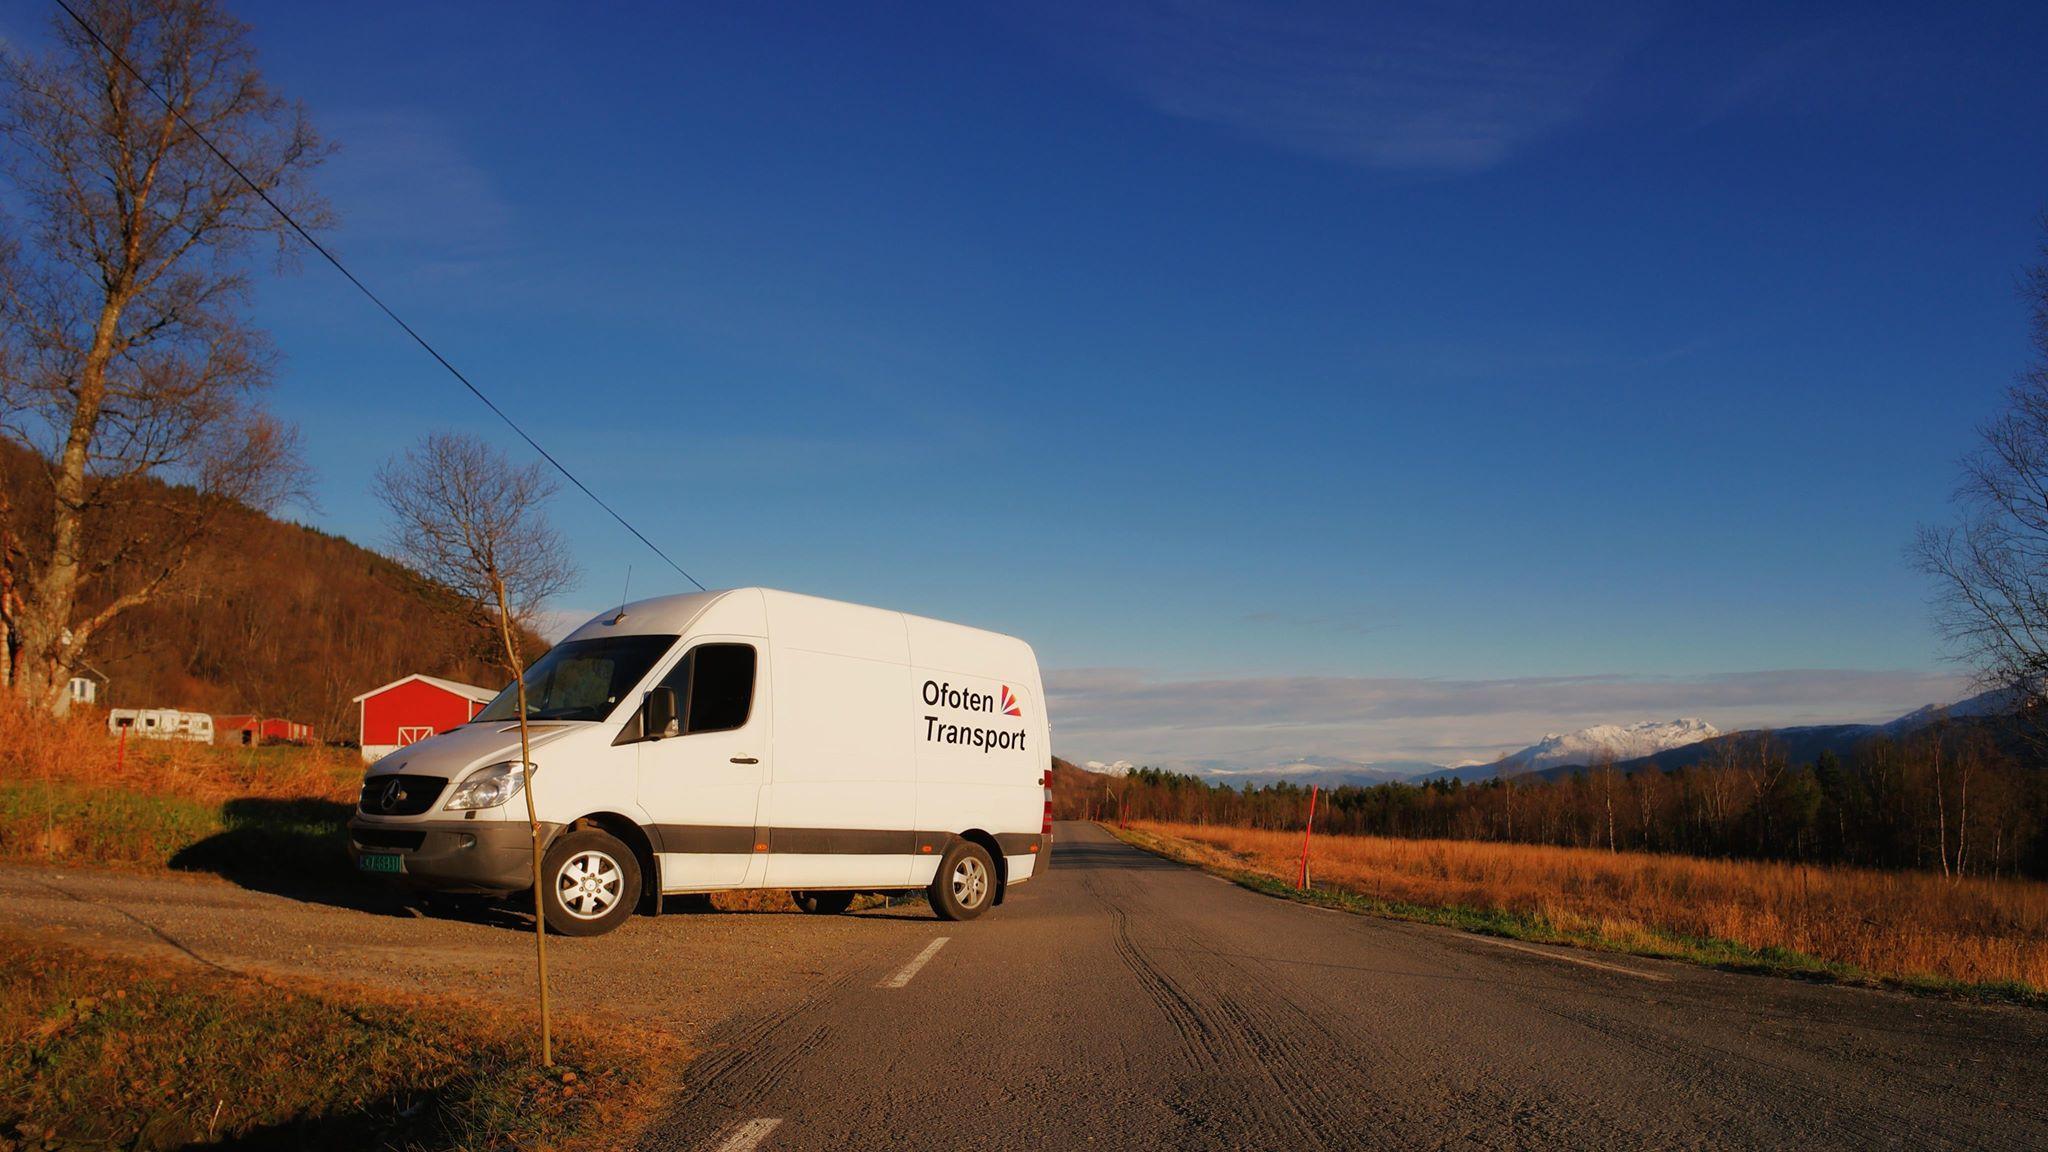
(1125, 1001)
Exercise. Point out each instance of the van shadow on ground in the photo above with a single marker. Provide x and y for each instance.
(298, 849)
(292, 848)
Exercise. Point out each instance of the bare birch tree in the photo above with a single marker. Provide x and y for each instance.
(126, 355)
(467, 518)
(1605, 775)
(1991, 566)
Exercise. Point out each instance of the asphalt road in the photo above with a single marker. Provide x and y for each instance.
(1126, 1002)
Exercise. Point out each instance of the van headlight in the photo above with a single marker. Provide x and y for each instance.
(489, 787)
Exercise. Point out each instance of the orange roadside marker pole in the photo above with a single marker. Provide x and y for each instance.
(1308, 829)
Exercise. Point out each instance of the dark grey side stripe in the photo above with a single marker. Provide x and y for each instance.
(718, 838)
(727, 840)
(850, 841)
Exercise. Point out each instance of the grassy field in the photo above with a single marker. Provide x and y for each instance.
(69, 794)
(1909, 929)
(103, 1052)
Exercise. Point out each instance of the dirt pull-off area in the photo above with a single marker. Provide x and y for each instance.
(683, 970)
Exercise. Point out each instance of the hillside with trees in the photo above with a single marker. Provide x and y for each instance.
(274, 618)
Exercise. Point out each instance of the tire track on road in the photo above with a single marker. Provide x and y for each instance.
(1260, 1071)
(743, 1060)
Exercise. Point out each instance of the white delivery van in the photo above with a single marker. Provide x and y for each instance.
(734, 739)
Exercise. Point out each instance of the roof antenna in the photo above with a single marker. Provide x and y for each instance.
(623, 592)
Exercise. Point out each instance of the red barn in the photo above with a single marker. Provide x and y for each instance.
(260, 730)
(410, 710)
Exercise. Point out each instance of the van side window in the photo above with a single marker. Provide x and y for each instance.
(714, 686)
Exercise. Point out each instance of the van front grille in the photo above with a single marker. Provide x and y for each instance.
(400, 795)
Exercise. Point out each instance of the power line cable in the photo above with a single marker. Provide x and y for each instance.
(365, 290)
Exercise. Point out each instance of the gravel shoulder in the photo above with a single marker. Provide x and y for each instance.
(680, 971)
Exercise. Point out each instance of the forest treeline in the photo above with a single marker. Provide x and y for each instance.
(1959, 798)
(275, 618)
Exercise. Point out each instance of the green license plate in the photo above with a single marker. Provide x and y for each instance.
(379, 862)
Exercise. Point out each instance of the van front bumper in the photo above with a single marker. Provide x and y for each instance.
(494, 857)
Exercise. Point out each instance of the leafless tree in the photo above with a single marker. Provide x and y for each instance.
(123, 350)
(1645, 783)
(467, 518)
(1605, 775)
(1504, 771)
(1991, 567)
(1762, 761)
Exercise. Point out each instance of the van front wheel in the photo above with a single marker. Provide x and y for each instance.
(966, 883)
(590, 883)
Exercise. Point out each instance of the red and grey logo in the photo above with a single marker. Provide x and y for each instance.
(1010, 706)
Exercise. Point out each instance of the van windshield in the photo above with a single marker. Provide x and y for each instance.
(580, 679)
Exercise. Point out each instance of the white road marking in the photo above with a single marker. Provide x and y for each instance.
(902, 975)
(1569, 959)
(748, 1136)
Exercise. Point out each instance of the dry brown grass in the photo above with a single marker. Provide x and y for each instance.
(69, 792)
(1904, 926)
(99, 1051)
(78, 752)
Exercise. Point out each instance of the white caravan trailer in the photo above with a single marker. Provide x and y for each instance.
(735, 739)
(162, 724)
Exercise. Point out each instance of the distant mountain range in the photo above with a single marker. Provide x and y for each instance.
(1805, 744)
(1328, 771)
(1665, 744)
(1617, 742)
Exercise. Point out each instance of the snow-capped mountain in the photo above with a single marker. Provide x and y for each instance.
(1616, 741)
(1997, 702)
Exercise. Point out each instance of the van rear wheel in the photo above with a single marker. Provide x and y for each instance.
(966, 883)
(823, 903)
(590, 883)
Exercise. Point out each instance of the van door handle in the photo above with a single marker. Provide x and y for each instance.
(745, 760)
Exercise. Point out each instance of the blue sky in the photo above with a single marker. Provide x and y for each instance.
(1345, 353)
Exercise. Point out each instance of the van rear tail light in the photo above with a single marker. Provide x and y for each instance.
(1046, 830)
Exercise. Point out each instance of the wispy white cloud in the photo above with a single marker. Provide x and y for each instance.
(404, 183)
(1428, 87)
(1123, 713)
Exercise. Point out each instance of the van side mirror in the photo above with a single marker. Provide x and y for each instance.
(659, 714)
